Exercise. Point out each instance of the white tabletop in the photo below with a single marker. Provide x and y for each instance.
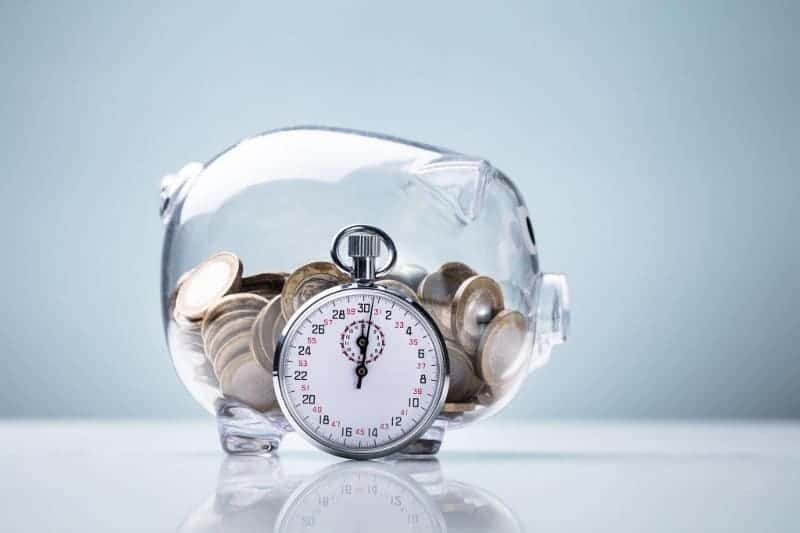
(123, 476)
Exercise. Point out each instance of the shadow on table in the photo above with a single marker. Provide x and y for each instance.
(253, 494)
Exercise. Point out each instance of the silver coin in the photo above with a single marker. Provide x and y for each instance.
(409, 274)
(231, 349)
(244, 380)
(225, 333)
(436, 293)
(215, 277)
(232, 302)
(398, 287)
(477, 301)
(266, 328)
(212, 327)
(464, 384)
(308, 281)
(268, 284)
(503, 352)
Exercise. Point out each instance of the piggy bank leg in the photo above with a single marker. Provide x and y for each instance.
(429, 443)
(245, 431)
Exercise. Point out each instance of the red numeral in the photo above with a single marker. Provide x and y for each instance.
(413, 342)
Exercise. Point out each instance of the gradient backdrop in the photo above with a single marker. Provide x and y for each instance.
(657, 145)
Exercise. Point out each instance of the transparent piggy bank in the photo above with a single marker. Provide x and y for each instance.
(247, 241)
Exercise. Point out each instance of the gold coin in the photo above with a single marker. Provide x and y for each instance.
(398, 287)
(225, 333)
(266, 329)
(464, 384)
(308, 281)
(244, 380)
(409, 274)
(233, 302)
(476, 302)
(436, 292)
(502, 352)
(457, 270)
(268, 284)
(215, 277)
(458, 407)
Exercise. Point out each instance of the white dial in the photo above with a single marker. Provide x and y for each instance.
(361, 371)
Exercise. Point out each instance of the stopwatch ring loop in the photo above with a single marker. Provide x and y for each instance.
(363, 228)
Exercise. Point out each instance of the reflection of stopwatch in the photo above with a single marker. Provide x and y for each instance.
(360, 497)
(361, 371)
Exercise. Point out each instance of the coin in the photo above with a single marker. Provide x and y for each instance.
(212, 327)
(308, 281)
(458, 407)
(237, 345)
(501, 352)
(268, 284)
(464, 384)
(215, 277)
(266, 328)
(436, 292)
(398, 287)
(242, 300)
(244, 380)
(457, 270)
(225, 333)
(409, 274)
(476, 302)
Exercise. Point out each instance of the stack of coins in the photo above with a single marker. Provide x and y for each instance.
(485, 341)
(234, 323)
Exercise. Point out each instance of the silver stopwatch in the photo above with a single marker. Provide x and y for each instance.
(360, 370)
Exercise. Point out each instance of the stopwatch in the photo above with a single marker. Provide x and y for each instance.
(361, 371)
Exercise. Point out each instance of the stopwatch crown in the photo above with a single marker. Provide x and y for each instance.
(363, 245)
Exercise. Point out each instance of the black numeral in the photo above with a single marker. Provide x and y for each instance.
(309, 399)
(397, 420)
(423, 379)
(304, 350)
(373, 432)
(388, 314)
(347, 431)
(421, 354)
(408, 330)
(364, 307)
(413, 402)
(324, 419)
(301, 375)
(318, 329)
(338, 314)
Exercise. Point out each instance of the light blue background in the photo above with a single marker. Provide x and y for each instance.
(657, 145)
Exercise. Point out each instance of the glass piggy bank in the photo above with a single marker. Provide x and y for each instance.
(247, 249)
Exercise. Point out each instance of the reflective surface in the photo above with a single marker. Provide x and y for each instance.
(496, 477)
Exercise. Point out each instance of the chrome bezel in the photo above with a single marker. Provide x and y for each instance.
(343, 451)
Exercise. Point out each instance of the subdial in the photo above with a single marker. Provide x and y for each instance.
(354, 335)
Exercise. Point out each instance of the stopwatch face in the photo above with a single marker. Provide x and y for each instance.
(361, 371)
(360, 498)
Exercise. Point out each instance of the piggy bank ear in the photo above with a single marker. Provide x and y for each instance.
(171, 184)
(458, 180)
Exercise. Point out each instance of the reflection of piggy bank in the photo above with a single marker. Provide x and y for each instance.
(253, 494)
(240, 225)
